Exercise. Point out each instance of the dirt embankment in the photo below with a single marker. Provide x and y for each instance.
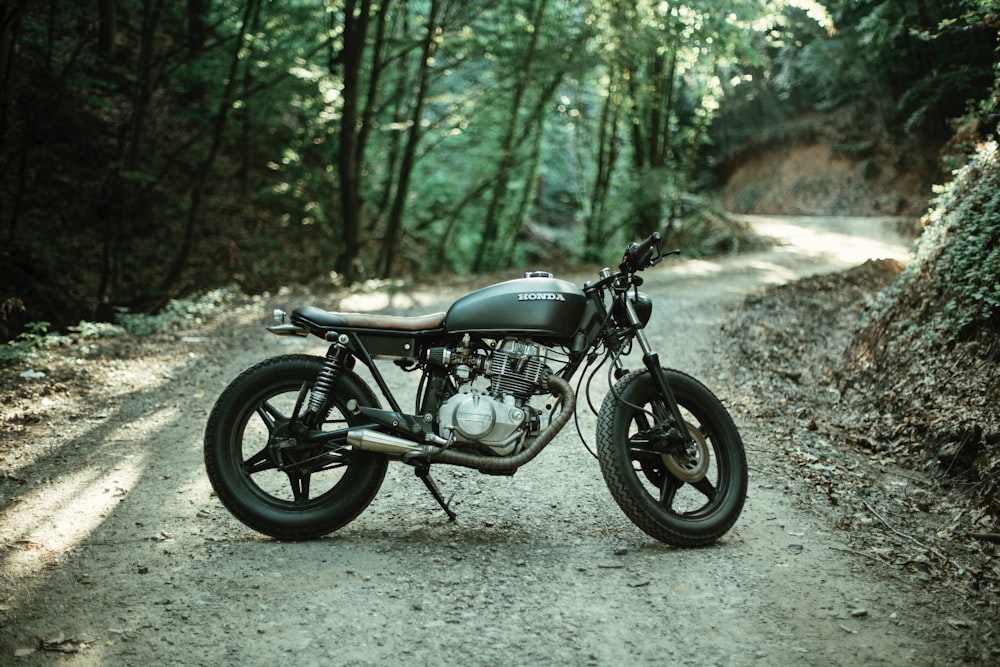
(839, 163)
(814, 179)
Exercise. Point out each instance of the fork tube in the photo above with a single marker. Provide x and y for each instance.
(652, 362)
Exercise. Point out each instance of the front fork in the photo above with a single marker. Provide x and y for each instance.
(651, 360)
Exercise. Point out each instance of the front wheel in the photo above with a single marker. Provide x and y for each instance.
(261, 463)
(685, 499)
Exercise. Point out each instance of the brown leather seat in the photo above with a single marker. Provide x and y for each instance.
(328, 319)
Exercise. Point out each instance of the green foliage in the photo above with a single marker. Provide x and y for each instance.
(957, 259)
(178, 314)
(184, 157)
(913, 64)
(36, 337)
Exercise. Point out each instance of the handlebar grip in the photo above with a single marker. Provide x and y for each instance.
(646, 246)
(637, 255)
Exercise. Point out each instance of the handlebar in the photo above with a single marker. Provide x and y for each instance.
(638, 256)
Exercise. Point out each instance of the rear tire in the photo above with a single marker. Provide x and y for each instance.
(650, 487)
(292, 496)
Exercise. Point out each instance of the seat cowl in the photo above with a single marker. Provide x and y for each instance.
(329, 319)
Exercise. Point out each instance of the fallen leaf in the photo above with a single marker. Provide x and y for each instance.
(57, 638)
(29, 545)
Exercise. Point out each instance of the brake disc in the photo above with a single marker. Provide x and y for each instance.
(693, 466)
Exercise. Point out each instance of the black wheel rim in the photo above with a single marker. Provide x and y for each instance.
(689, 500)
(271, 466)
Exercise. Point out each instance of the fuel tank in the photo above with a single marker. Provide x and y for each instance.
(542, 306)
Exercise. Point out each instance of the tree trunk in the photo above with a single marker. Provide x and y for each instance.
(472, 194)
(374, 77)
(10, 20)
(651, 136)
(414, 133)
(349, 158)
(197, 192)
(116, 204)
(197, 15)
(665, 102)
(525, 199)
(245, 118)
(656, 113)
(107, 29)
(607, 156)
(492, 219)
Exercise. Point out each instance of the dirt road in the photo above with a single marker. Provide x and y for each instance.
(115, 552)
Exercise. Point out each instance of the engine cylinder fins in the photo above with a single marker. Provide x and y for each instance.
(517, 374)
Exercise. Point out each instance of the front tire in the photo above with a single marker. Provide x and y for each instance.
(284, 493)
(684, 501)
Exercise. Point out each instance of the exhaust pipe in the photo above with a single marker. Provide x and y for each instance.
(376, 441)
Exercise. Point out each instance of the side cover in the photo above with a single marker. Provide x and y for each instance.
(528, 306)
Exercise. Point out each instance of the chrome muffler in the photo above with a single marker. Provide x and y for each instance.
(376, 441)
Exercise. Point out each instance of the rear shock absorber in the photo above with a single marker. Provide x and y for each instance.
(319, 397)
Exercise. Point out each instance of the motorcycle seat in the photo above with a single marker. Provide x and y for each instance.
(328, 319)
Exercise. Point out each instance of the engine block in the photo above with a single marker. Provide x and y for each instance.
(480, 419)
(498, 417)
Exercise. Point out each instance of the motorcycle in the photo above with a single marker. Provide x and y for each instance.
(298, 445)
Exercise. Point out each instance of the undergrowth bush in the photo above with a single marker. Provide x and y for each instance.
(959, 251)
(178, 313)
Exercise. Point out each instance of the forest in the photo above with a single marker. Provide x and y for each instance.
(153, 149)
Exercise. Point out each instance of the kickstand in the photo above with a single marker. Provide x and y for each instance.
(424, 473)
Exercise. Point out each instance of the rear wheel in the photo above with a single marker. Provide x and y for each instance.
(688, 498)
(261, 465)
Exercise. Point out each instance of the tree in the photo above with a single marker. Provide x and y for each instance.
(212, 141)
(896, 59)
(414, 134)
(107, 26)
(350, 149)
(491, 223)
(249, 19)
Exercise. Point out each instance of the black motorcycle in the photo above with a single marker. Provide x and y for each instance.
(297, 446)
